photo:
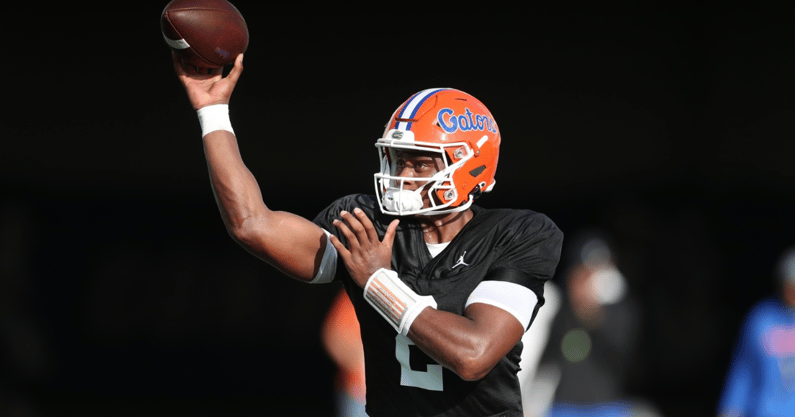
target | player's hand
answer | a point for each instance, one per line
(205, 89)
(365, 253)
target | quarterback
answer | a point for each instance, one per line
(443, 289)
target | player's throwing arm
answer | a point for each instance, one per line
(286, 241)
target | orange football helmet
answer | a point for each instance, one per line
(461, 130)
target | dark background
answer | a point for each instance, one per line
(667, 126)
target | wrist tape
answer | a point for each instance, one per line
(394, 300)
(214, 117)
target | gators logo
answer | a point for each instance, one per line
(451, 122)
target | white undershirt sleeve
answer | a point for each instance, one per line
(518, 300)
(328, 265)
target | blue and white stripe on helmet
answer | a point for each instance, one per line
(414, 103)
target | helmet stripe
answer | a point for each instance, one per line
(409, 111)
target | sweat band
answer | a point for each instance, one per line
(394, 300)
(214, 117)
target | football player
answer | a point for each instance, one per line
(443, 289)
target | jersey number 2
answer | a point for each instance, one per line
(431, 379)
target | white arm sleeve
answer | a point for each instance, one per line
(513, 298)
(328, 265)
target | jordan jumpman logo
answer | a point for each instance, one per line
(460, 261)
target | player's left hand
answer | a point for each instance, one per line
(365, 253)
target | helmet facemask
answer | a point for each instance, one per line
(440, 188)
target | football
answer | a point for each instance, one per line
(204, 33)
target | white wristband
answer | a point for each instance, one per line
(214, 117)
(394, 300)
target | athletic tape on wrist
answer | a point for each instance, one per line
(214, 117)
(394, 300)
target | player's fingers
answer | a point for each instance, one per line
(178, 66)
(237, 69)
(356, 226)
(353, 241)
(342, 251)
(391, 230)
(369, 229)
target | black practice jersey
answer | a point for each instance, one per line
(519, 246)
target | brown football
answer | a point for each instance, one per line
(205, 33)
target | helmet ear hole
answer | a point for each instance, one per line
(477, 171)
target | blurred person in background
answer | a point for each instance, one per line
(341, 339)
(585, 368)
(761, 378)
